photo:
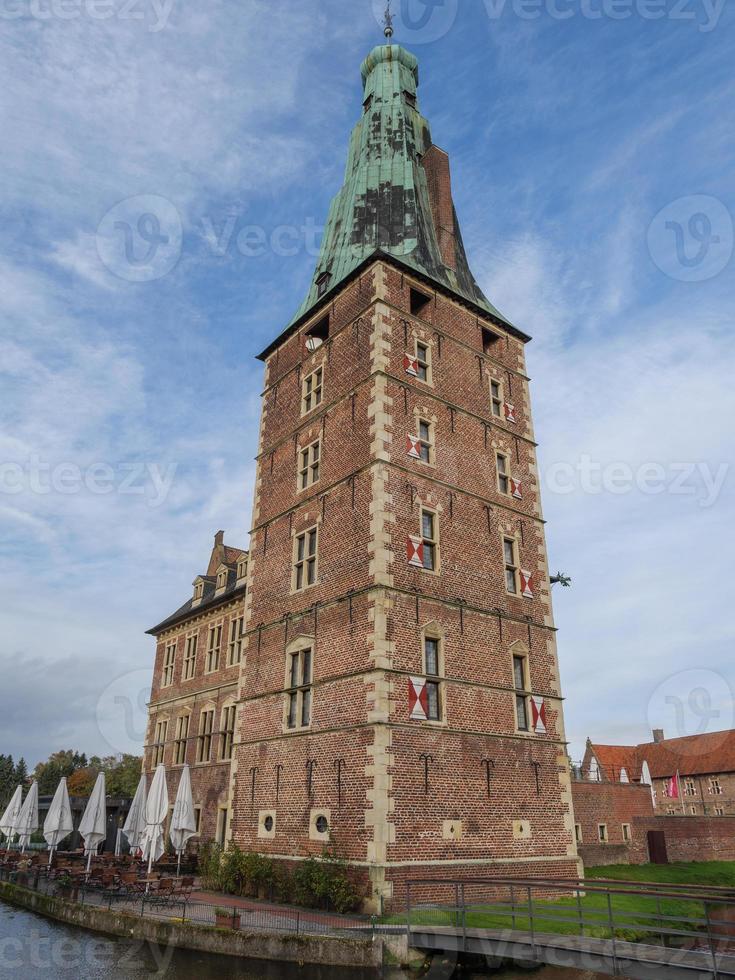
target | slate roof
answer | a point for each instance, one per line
(209, 601)
(384, 204)
(690, 755)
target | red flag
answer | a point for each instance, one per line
(672, 789)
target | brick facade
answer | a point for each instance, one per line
(614, 806)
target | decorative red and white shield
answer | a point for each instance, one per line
(418, 700)
(516, 489)
(510, 412)
(538, 715)
(410, 365)
(526, 584)
(412, 447)
(415, 552)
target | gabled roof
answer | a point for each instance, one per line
(690, 755)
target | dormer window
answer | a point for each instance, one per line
(410, 99)
(322, 283)
(419, 302)
(489, 340)
(316, 335)
(242, 569)
(198, 591)
(221, 579)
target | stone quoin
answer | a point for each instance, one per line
(396, 696)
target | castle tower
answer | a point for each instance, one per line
(399, 695)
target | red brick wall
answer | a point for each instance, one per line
(688, 838)
(613, 804)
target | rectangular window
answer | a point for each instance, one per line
(213, 648)
(169, 663)
(159, 746)
(714, 786)
(501, 465)
(602, 832)
(626, 833)
(431, 668)
(298, 714)
(204, 742)
(223, 816)
(425, 440)
(418, 300)
(496, 398)
(489, 340)
(182, 734)
(198, 819)
(578, 832)
(237, 639)
(227, 732)
(521, 687)
(510, 561)
(304, 569)
(689, 788)
(423, 362)
(309, 461)
(312, 391)
(429, 538)
(719, 812)
(190, 657)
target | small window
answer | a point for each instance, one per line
(322, 283)
(489, 340)
(242, 569)
(169, 663)
(316, 335)
(198, 591)
(602, 833)
(204, 741)
(521, 687)
(719, 812)
(626, 833)
(423, 362)
(223, 817)
(312, 391)
(237, 639)
(182, 734)
(190, 657)
(432, 671)
(715, 789)
(510, 562)
(298, 703)
(410, 99)
(430, 540)
(309, 464)
(198, 819)
(689, 788)
(227, 733)
(268, 823)
(222, 579)
(322, 824)
(419, 302)
(503, 473)
(367, 103)
(159, 745)
(304, 569)
(496, 398)
(578, 832)
(213, 648)
(426, 441)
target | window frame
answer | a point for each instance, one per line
(627, 833)
(602, 835)
(502, 473)
(434, 678)
(430, 544)
(522, 694)
(169, 663)
(189, 666)
(307, 565)
(299, 688)
(214, 648)
(228, 720)
(423, 364)
(205, 735)
(578, 838)
(160, 734)
(181, 739)
(236, 641)
(312, 389)
(513, 566)
(426, 443)
(308, 463)
(496, 398)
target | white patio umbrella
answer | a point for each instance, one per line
(134, 826)
(93, 825)
(28, 822)
(58, 823)
(9, 820)
(183, 819)
(156, 810)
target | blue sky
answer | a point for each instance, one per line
(593, 175)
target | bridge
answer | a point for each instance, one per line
(619, 928)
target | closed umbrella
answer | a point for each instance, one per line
(156, 810)
(28, 818)
(93, 825)
(134, 826)
(9, 820)
(58, 823)
(183, 819)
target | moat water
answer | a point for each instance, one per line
(35, 948)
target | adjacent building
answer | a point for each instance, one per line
(394, 687)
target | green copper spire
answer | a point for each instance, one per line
(396, 197)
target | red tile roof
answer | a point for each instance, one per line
(691, 755)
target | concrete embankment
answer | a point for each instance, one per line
(366, 954)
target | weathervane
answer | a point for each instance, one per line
(388, 22)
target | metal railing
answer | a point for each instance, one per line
(671, 916)
(247, 916)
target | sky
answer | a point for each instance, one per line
(166, 169)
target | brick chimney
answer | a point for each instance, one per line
(658, 735)
(218, 553)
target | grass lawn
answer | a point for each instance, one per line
(635, 916)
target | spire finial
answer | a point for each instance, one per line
(388, 20)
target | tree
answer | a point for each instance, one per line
(21, 772)
(7, 779)
(124, 776)
(81, 782)
(62, 763)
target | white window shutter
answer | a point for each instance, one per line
(418, 701)
(516, 489)
(510, 412)
(410, 365)
(412, 447)
(526, 584)
(415, 552)
(538, 715)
